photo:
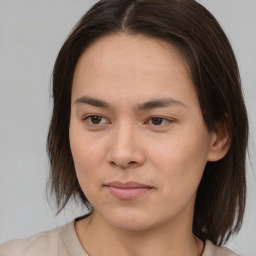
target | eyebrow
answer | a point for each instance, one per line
(151, 104)
(93, 102)
(159, 103)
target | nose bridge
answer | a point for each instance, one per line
(124, 147)
(124, 134)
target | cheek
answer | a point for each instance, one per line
(178, 150)
(181, 159)
(86, 154)
(86, 161)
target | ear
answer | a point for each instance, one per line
(220, 140)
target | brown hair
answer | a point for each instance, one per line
(221, 195)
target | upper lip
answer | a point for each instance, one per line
(130, 184)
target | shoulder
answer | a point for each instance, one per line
(61, 241)
(44, 243)
(213, 250)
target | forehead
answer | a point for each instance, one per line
(131, 50)
(126, 64)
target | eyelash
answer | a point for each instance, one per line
(88, 120)
(161, 119)
(88, 117)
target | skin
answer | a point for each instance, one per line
(163, 146)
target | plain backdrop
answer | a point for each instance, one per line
(31, 34)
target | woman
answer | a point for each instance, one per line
(149, 131)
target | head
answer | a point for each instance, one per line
(189, 33)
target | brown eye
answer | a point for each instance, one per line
(95, 119)
(95, 122)
(157, 120)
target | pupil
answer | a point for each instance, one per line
(96, 119)
(157, 121)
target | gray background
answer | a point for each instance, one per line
(31, 34)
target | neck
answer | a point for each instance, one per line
(99, 238)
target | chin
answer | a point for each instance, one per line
(129, 224)
(129, 220)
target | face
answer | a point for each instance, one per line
(137, 134)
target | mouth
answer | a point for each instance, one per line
(127, 190)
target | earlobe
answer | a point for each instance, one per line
(220, 141)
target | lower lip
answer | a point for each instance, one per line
(128, 193)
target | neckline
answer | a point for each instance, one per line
(75, 248)
(71, 240)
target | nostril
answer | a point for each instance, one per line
(123, 165)
(113, 163)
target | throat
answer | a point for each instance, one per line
(117, 242)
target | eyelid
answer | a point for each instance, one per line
(88, 116)
(167, 120)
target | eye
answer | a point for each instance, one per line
(158, 121)
(95, 120)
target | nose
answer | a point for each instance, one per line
(125, 149)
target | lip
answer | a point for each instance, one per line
(127, 190)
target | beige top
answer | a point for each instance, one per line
(63, 241)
